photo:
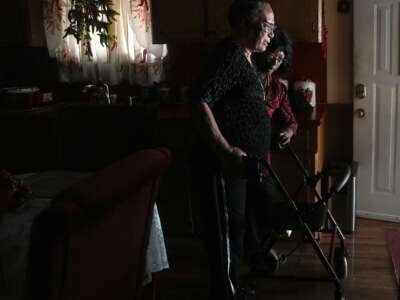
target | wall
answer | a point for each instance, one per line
(340, 54)
(12, 30)
(339, 111)
(36, 29)
(24, 59)
(20, 23)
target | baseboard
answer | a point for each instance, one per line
(377, 216)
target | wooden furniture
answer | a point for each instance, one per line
(22, 23)
(72, 136)
(182, 20)
(207, 20)
(301, 18)
(29, 141)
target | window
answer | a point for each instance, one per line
(131, 58)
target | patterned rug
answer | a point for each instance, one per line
(393, 242)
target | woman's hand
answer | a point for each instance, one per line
(232, 160)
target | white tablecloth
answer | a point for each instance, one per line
(156, 256)
(15, 233)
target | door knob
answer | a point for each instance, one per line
(360, 113)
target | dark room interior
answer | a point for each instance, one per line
(84, 183)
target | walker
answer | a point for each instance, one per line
(308, 218)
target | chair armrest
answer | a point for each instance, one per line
(107, 187)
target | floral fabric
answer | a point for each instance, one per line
(132, 57)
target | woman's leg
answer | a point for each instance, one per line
(223, 225)
(261, 195)
(236, 193)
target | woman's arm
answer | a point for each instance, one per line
(230, 156)
(283, 113)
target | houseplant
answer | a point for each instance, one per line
(88, 17)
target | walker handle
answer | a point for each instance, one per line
(345, 171)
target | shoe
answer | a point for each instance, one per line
(245, 292)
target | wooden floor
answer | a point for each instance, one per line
(370, 271)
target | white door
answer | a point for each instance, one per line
(377, 116)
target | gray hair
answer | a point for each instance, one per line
(247, 13)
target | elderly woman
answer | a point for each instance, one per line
(228, 103)
(274, 66)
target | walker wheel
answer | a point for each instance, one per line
(339, 295)
(265, 262)
(340, 262)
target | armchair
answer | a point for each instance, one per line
(90, 243)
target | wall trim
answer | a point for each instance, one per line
(377, 216)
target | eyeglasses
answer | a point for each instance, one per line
(268, 28)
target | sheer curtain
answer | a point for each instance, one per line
(132, 58)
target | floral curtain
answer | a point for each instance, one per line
(133, 57)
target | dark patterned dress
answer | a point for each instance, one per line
(235, 94)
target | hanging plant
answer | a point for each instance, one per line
(88, 17)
